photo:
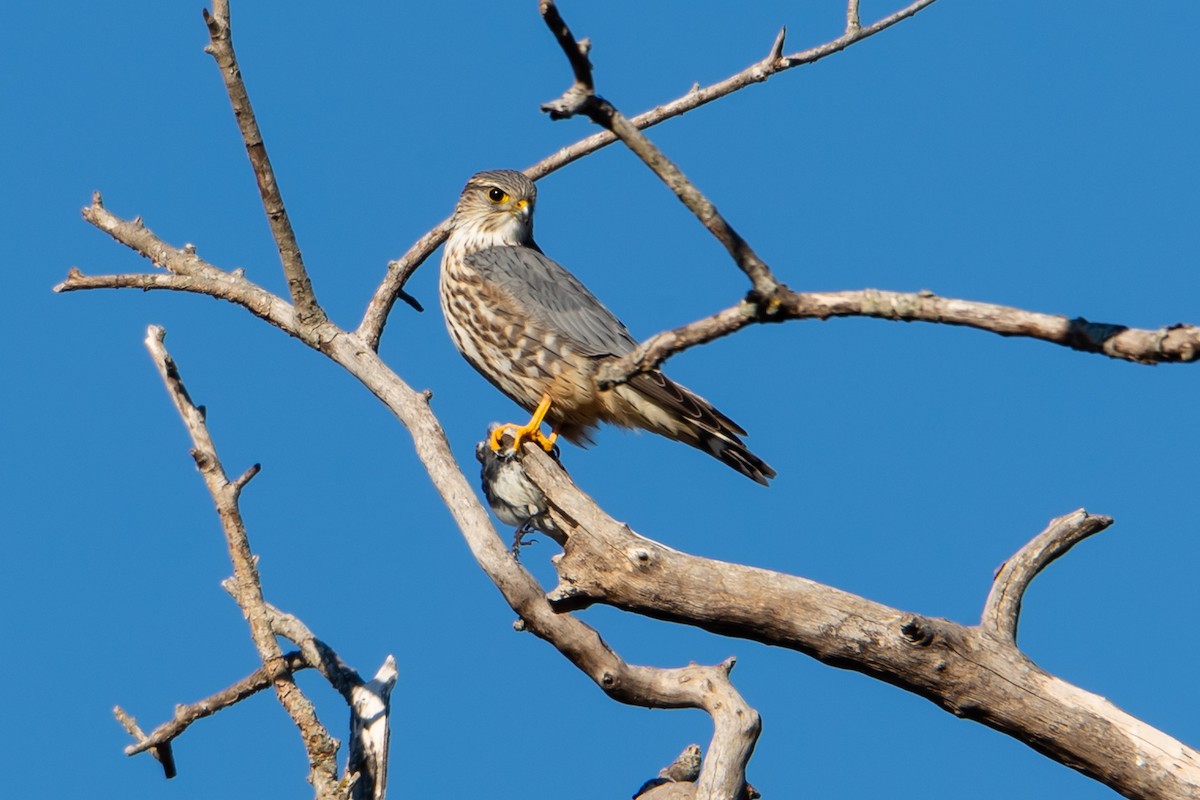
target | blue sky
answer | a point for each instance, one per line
(1020, 153)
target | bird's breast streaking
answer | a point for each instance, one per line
(538, 335)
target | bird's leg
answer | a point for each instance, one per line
(531, 431)
(519, 539)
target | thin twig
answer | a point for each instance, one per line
(221, 48)
(852, 20)
(391, 288)
(1002, 611)
(581, 98)
(341, 676)
(370, 330)
(191, 273)
(186, 714)
(161, 751)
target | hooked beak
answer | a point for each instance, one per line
(522, 210)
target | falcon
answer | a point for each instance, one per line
(537, 334)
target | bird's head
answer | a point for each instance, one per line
(495, 208)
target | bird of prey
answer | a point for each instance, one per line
(538, 335)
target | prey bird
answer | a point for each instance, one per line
(538, 335)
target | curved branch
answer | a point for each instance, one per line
(370, 330)
(369, 701)
(221, 49)
(1002, 610)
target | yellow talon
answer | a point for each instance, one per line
(531, 431)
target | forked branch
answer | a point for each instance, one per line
(771, 301)
(367, 767)
(969, 671)
(187, 713)
(581, 98)
(1002, 611)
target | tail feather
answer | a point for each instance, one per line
(735, 454)
(704, 427)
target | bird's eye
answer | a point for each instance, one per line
(497, 195)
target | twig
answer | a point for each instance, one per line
(852, 20)
(581, 99)
(341, 676)
(188, 713)
(161, 752)
(221, 48)
(1001, 612)
(370, 330)
(320, 746)
(191, 273)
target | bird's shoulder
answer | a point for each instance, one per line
(546, 291)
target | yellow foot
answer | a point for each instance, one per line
(532, 431)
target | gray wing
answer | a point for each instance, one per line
(554, 298)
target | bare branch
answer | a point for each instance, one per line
(161, 752)
(300, 287)
(188, 713)
(399, 271)
(342, 677)
(576, 51)
(320, 746)
(852, 20)
(370, 330)
(581, 99)
(369, 701)
(965, 670)
(1002, 610)
(191, 272)
(1177, 343)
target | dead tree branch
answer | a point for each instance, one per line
(247, 588)
(1172, 344)
(162, 751)
(973, 672)
(581, 98)
(221, 49)
(771, 301)
(186, 714)
(1002, 611)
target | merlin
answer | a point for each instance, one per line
(538, 335)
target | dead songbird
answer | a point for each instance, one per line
(513, 498)
(533, 330)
